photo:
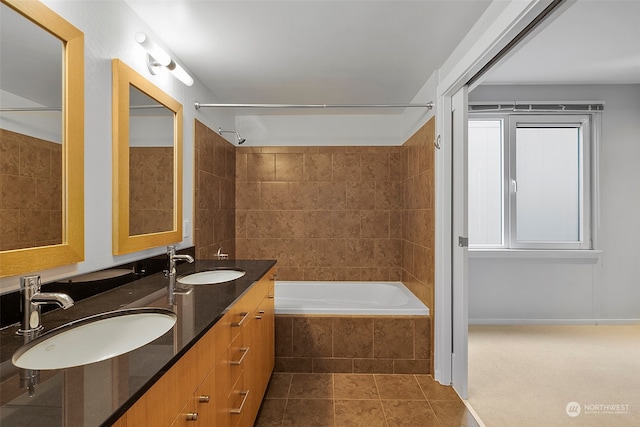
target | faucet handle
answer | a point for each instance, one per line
(30, 282)
(220, 255)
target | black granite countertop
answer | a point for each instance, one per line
(99, 393)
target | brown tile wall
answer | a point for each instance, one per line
(332, 213)
(150, 190)
(215, 188)
(30, 191)
(418, 231)
(353, 344)
(325, 213)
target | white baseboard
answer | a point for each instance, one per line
(554, 321)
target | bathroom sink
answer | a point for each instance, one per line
(211, 277)
(95, 338)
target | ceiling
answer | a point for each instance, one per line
(359, 52)
(356, 51)
(592, 42)
(311, 52)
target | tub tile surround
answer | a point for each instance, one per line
(353, 344)
(214, 198)
(353, 400)
(326, 213)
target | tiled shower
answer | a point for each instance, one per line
(325, 213)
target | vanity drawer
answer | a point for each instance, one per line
(239, 352)
(237, 402)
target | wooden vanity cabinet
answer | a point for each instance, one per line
(222, 379)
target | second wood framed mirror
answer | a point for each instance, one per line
(147, 163)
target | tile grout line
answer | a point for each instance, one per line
(333, 391)
(384, 413)
(286, 402)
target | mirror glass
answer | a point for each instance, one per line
(150, 165)
(31, 133)
(147, 168)
(41, 139)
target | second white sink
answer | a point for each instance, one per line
(211, 277)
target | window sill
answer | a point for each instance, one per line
(591, 256)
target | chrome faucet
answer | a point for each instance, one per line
(171, 274)
(221, 255)
(32, 299)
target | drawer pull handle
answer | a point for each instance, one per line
(259, 317)
(274, 277)
(260, 313)
(244, 316)
(204, 398)
(244, 400)
(192, 416)
(244, 351)
(270, 296)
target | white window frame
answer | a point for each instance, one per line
(510, 122)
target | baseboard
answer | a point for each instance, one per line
(474, 414)
(554, 321)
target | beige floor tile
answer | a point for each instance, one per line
(452, 413)
(398, 387)
(359, 413)
(409, 413)
(311, 386)
(271, 413)
(354, 386)
(308, 413)
(433, 390)
(278, 387)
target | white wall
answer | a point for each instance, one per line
(109, 28)
(508, 290)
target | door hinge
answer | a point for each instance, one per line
(463, 242)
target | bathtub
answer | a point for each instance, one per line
(350, 327)
(347, 298)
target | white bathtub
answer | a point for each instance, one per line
(347, 298)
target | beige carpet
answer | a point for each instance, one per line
(537, 375)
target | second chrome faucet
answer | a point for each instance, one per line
(171, 273)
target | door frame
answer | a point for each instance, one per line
(496, 34)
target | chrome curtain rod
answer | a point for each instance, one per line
(535, 108)
(428, 105)
(27, 109)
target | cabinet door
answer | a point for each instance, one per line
(268, 344)
(238, 403)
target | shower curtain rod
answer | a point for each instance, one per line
(26, 109)
(428, 105)
(35, 109)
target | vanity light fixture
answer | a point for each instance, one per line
(157, 57)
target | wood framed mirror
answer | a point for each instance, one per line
(41, 139)
(147, 163)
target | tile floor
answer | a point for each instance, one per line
(368, 400)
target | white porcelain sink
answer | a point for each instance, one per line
(95, 338)
(211, 277)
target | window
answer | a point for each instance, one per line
(529, 181)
